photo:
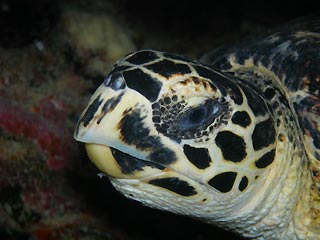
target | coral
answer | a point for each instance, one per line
(42, 89)
(53, 139)
(97, 38)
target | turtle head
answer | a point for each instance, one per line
(179, 136)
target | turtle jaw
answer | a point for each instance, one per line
(105, 161)
(102, 157)
(115, 128)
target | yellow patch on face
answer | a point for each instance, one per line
(102, 157)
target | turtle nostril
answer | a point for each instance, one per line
(115, 81)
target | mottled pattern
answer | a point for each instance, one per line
(285, 66)
(292, 56)
(223, 182)
(129, 164)
(175, 185)
(231, 144)
(198, 156)
(241, 118)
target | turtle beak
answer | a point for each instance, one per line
(99, 126)
(100, 121)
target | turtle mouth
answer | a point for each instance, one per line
(118, 164)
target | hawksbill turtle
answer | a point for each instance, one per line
(232, 139)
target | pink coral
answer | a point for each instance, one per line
(53, 139)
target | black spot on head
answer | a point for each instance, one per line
(129, 164)
(197, 156)
(143, 83)
(223, 182)
(142, 57)
(264, 134)
(265, 160)
(134, 133)
(255, 102)
(109, 105)
(232, 146)
(175, 185)
(243, 183)
(163, 156)
(92, 109)
(167, 68)
(241, 118)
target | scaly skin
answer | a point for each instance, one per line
(182, 137)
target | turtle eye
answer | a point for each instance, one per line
(197, 115)
(201, 115)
